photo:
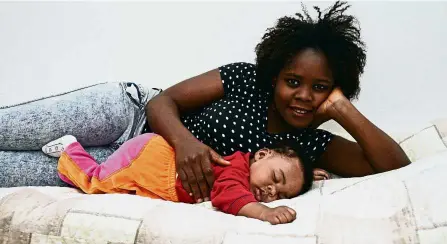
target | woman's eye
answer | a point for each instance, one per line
(293, 82)
(320, 87)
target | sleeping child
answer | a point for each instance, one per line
(145, 166)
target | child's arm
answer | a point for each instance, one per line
(278, 215)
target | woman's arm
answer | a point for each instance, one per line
(164, 111)
(374, 152)
(193, 159)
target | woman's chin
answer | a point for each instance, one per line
(300, 123)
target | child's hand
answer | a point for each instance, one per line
(320, 174)
(278, 215)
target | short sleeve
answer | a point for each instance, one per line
(236, 76)
(314, 142)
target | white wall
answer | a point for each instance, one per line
(51, 47)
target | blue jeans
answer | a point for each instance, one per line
(101, 117)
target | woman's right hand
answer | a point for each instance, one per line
(193, 163)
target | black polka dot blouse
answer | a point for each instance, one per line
(238, 121)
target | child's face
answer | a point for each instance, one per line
(274, 177)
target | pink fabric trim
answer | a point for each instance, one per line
(121, 158)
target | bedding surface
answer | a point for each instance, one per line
(402, 206)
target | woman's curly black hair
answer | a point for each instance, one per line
(333, 33)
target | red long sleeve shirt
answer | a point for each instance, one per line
(231, 190)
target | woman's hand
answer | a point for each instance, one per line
(327, 109)
(373, 150)
(193, 164)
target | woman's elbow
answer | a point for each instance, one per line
(156, 103)
(405, 161)
(396, 163)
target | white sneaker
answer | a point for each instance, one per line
(56, 147)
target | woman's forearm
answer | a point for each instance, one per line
(163, 112)
(380, 150)
(164, 119)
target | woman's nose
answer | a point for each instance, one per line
(304, 93)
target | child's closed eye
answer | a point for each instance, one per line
(275, 178)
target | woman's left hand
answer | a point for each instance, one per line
(327, 109)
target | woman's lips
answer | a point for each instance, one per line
(300, 112)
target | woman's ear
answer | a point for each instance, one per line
(262, 153)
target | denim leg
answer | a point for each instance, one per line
(101, 117)
(139, 96)
(34, 168)
(97, 115)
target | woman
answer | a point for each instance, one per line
(306, 72)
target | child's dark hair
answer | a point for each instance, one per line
(293, 150)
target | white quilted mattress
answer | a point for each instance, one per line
(402, 206)
(408, 205)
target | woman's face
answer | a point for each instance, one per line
(302, 87)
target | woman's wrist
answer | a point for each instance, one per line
(184, 138)
(341, 110)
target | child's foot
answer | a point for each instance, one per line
(56, 147)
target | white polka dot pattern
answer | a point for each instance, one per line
(238, 121)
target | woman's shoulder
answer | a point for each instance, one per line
(238, 77)
(238, 67)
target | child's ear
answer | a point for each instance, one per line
(262, 153)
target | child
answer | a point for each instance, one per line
(145, 165)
